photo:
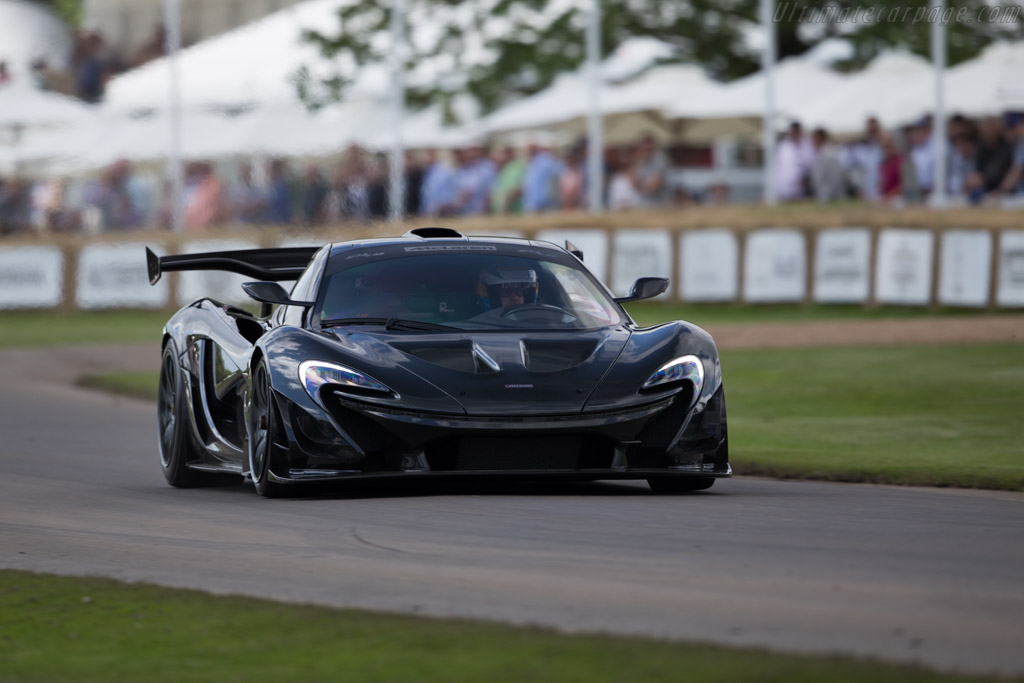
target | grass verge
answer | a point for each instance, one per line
(927, 415)
(50, 328)
(88, 629)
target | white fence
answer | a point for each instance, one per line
(900, 266)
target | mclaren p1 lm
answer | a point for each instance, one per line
(433, 355)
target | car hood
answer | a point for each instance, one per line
(497, 373)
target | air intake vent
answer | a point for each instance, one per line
(435, 233)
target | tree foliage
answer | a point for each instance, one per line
(499, 49)
(68, 10)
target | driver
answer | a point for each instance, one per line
(504, 287)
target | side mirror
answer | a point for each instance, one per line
(272, 293)
(645, 288)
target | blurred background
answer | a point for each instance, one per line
(758, 151)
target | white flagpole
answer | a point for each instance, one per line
(595, 133)
(397, 156)
(175, 163)
(768, 121)
(939, 139)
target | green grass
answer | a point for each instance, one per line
(87, 629)
(651, 313)
(134, 384)
(927, 415)
(49, 328)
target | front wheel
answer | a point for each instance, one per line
(263, 429)
(680, 484)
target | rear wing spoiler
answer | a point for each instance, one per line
(285, 263)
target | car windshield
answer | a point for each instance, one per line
(469, 292)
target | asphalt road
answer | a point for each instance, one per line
(896, 573)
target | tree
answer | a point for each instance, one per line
(68, 10)
(500, 49)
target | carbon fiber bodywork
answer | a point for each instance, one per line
(565, 403)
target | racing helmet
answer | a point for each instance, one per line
(507, 287)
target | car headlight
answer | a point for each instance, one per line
(683, 369)
(315, 374)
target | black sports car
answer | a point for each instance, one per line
(433, 354)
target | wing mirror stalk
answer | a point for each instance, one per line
(268, 293)
(645, 288)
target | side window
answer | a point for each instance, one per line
(304, 289)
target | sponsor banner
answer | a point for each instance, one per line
(775, 266)
(215, 284)
(1010, 289)
(842, 266)
(593, 244)
(903, 269)
(965, 268)
(640, 253)
(31, 277)
(709, 265)
(115, 276)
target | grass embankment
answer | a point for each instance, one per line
(926, 415)
(87, 629)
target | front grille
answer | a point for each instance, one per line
(519, 453)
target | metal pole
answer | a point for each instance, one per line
(595, 132)
(939, 140)
(768, 122)
(396, 158)
(175, 164)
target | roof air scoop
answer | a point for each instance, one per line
(435, 233)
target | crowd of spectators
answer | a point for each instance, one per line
(986, 165)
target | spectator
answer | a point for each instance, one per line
(962, 160)
(540, 180)
(438, 191)
(314, 196)
(15, 207)
(864, 162)
(377, 188)
(474, 182)
(5, 75)
(794, 157)
(572, 184)
(827, 171)
(994, 158)
(88, 66)
(1012, 181)
(205, 206)
(413, 184)
(648, 173)
(622, 192)
(507, 195)
(890, 175)
(921, 165)
(279, 203)
(248, 201)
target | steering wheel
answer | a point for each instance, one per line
(538, 308)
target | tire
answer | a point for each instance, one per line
(262, 428)
(680, 484)
(175, 443)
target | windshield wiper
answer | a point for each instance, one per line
(388, 323)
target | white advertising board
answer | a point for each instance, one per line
(965, 268)
(1010, 289)
(640, 253)
(215, 284)
(115, 276)
(709, 265)
(31, 277)
(903, 269)
(593, 244)
(775, 266)
(842, 266)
